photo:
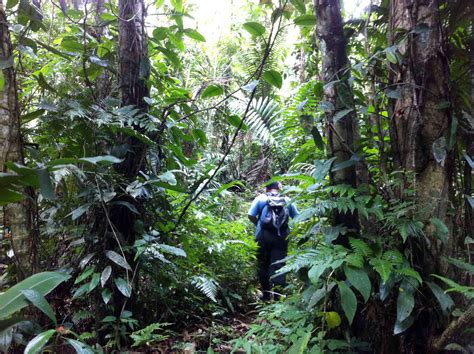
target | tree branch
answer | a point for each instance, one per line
(454, 330)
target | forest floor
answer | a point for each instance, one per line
(209, 336)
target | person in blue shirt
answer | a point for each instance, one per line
(272, 245)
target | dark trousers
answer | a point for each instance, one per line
(271, 248)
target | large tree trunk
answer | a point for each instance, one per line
(341, 135)
(16, 216)
(420, 124)
(419, 133)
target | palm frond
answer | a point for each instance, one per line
(263, 118)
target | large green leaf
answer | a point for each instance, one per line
(123, 286)
(13, 299)
(360, 280)
(37, 343)
(118, 259)
(445, 301)
(79, 347)
(46, 186)
(191, 33)
(348, 301)
(318, 139)
(405, 301)
(316, 271)
(254, 28)
(9, 196)
(212, 91)
(299, 5)
(305, 20)
(105, 275)
(40, 302)
(273, 77)
(341, 114)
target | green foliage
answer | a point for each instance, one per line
(214, 129)
(41, 284)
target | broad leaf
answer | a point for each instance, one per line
(37, 343)
(273, 78)
(40, 302)
(191, 33)
(305, 20)
(316, 271)
(348, 301)
(105, 275)
(212, 91)
(299, 5)
(318, 139)
(94, 282)
(123, 286)
(405, 301)
(445, 301)
(106, 295)
(341, 114)
(13, 299)
(45, 183)
(254, 28)
(79, 347)
(401, 327)
(118, 259)
(360, 280)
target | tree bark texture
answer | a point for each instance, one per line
(341, 135)
(134, 69)
(421, 122)
(420, 126)
(468, 139)
(133, 74)
(16, 216)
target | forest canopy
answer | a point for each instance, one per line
(134, 135)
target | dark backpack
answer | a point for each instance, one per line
(276, 215)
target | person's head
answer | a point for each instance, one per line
(273, 186)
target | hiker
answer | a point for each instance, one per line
(270, 212)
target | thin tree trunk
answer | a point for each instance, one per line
(16, 216)
(341, 135)
(133, 73)
(469, 214)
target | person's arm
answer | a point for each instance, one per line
(254, 211)
(293, 210)
(253, 219)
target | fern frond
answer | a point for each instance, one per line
(206, 285)
(360, 247)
